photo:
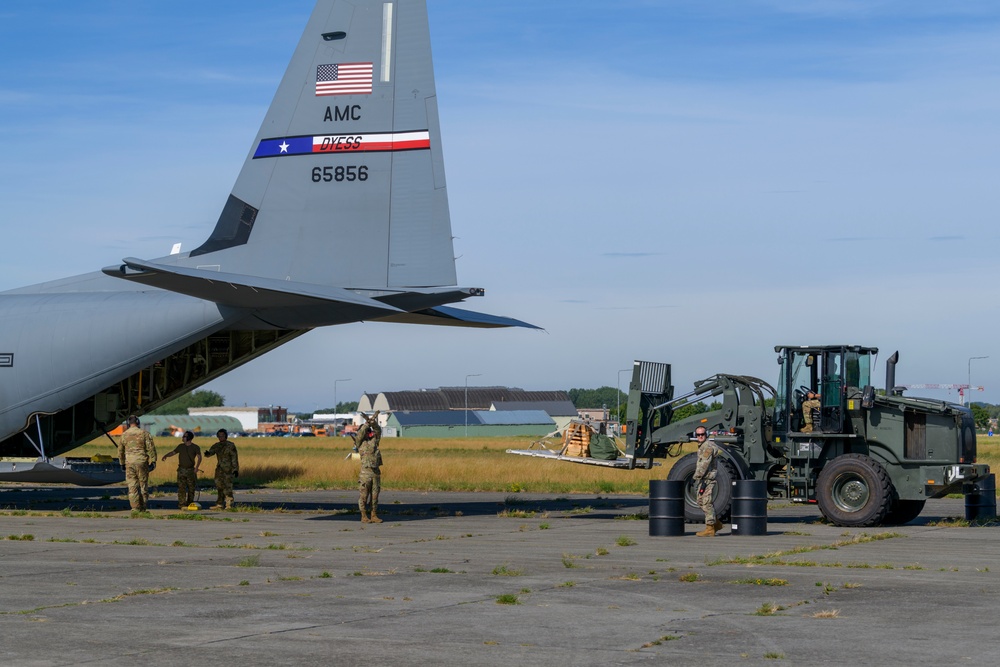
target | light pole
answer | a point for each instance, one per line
(970, 374)
(618, 414)
(335, 403)
(471, 375)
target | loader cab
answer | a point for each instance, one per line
(835, 372)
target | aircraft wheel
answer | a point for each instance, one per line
(722, 499)
(854, 490)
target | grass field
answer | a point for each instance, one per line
(418, 464)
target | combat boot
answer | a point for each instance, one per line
(718, 525)
(375, 518)
(708, 532)
(364, 517)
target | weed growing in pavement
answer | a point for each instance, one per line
(760, 582)
(657, 642)
(768, 609)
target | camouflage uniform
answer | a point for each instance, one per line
(370, 479)
(137, 454)
(187, 477)
(704, 475)
(808, 406)
(227, 467)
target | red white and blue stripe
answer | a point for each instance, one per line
(332, 144)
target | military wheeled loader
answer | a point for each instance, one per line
(866, 458)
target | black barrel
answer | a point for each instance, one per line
(749, 515)
(981, 502)
(666, 508)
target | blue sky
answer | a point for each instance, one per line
(682, 181)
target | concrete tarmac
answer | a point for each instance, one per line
(294, 578)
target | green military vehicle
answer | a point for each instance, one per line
(866, 458)
(869, 459)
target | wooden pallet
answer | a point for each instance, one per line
(576, 440)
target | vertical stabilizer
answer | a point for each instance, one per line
(344, 184)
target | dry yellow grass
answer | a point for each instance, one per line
(988, 450)
(424, 464)
(454, 464)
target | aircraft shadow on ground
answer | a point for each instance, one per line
(574, 508)
(342, 505)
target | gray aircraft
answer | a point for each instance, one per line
(339, 214)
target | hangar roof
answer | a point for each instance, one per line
(512, 417)
(475, 417)
(552, 408)
(454, 398)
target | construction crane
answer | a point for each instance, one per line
(962, 388)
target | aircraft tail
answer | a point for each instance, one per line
(340, 212)
(344, 184)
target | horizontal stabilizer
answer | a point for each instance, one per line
(241, 291)
(456, 317)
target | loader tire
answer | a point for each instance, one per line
(854, 490)
(722, 499)
(903, 511)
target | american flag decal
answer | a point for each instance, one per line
(344, 79)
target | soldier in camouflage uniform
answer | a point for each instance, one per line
(188, 460)
(226, 468)
(704, 476)
(810, 408)
(370, 480)
(137, 454)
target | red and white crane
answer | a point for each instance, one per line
(962, 388)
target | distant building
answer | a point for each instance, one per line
(250, 418)
(594, 414)
(478, 423)
(342, 423)
(455, 398)
(561, 412)
(201, 425)
(331, 417)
